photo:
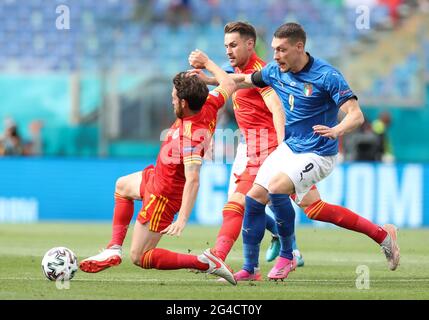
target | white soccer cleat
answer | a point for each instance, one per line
(390, 247)
(105, 259)
(217, 266)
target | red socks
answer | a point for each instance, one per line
(122, 215)
(162, 259)
(230, 230)
(345, 218)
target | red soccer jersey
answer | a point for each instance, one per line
(252, 115)
(185, 143)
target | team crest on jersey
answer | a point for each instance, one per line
(291, 102)
(308, 89)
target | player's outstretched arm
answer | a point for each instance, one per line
(353, 119)
(273, 103)
(190, 191)
(242, 81)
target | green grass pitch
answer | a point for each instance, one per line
(331, 259)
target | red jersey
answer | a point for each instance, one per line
(185, 143)
(253, 117)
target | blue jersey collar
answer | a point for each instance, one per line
(308, 65)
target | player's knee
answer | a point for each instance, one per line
(310, 207)
(281, 184)
(310, 199)
(304, 204)
(136, 257)
(121, 185)
(259, 194)
(275, 187)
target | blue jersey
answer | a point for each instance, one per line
(228, 68)
(310, 97)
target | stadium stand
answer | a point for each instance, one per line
(124, 46)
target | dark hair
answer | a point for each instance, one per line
(192, 89)
(292, 31)
(243, 28)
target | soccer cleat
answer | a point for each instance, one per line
(274, 249)
(217, 266)
(299, 258)
(105, 259)
(390, 247)
(244, 275)
(282, 268)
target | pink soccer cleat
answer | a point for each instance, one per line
(282, 268)
(244, 275)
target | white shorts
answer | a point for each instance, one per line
(239, 165)
(304, 169)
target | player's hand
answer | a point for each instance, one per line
(174, 229)
(199, 73)
(326, 132)
(198, 59)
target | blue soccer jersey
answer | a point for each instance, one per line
(310, 97)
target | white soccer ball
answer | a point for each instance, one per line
(59, 263)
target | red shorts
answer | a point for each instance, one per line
(157, 209)
(245, 180)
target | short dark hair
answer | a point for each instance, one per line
(192, 89)
(292, 31)
(243, 28)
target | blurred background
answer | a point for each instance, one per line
(85, 91)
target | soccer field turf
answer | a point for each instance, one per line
(331, 258)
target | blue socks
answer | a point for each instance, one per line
(271, 225)
(285, 218)
(294, 245)
(253, 232)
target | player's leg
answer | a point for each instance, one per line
(240, 182)
(274, 247)
(147, 234)
(255, 216)
(273, 250)
(385, 236)
(127, 189)
(253, 232)
(232, 221)
(280, 187)
(233, 210)
(297, 174)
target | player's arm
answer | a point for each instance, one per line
(242, 81)
(339, 91)
(354, 118)
(274, 104)
(190, 191)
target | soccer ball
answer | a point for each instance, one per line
(59, 263)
